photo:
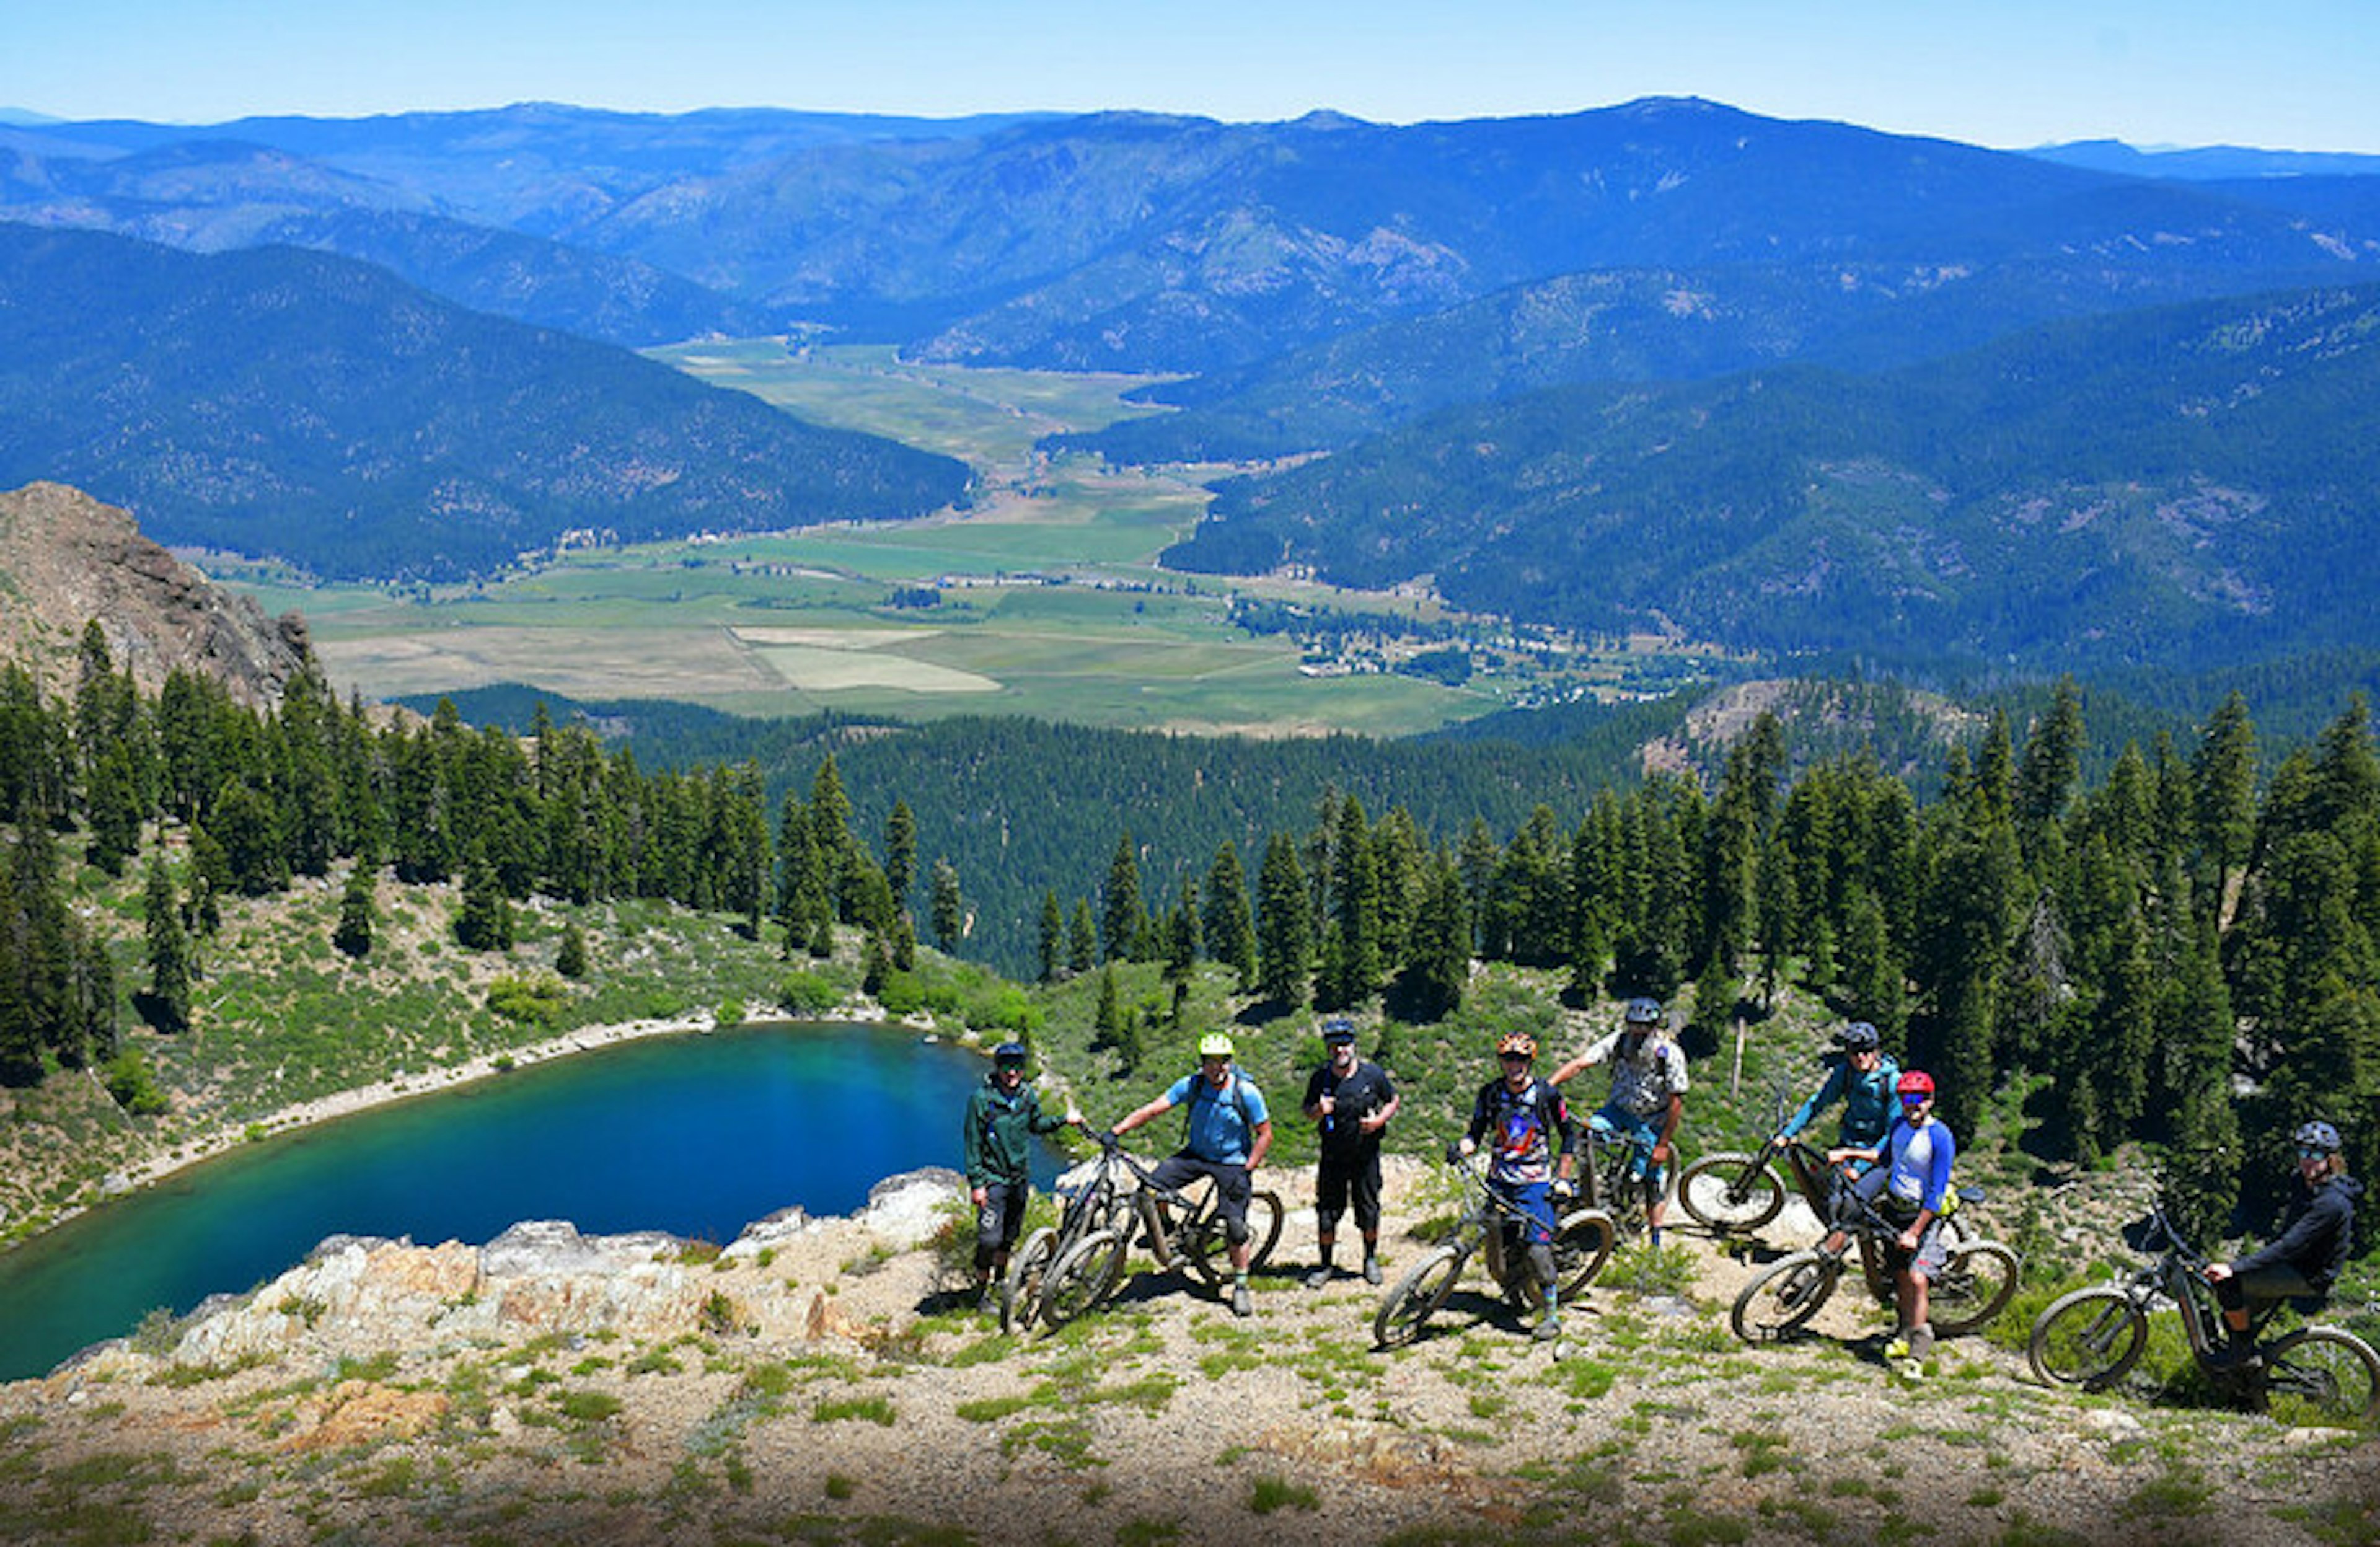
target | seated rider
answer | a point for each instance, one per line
(1911, 1190)
(1862, 1076)
(1648, 1092)
(1529, 1124)
(1225, 1139)
(2306, 1258)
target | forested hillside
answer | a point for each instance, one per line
(2180, 487)
(2179, 952)
(315, 409)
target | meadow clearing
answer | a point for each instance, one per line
(1044, 598)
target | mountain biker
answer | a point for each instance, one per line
(1003, 1114)
(1909, 1190)
(1648, 1096)
(1529, 1121)
(1351, 1099)
(2305, 1259)
(1862, 1076)
(1224, 1141)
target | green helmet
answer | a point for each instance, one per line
(1215, 1044)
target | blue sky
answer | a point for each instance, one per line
(2294, 74)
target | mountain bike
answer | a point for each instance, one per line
(1179, 1230)
(2091, 1338)
(1096, 1199)
(1606, 1183)
(1492, 1226)
(1729, 1191)
(1977, 1280)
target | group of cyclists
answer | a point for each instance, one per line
(1892, 1149)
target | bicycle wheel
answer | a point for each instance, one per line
(1975, 1286)
(1774, 1306)
(1724, 1192)
(2321, 1377)
(1081, 1278)
(1205, 1245)
(1020, 1292)
(1415, 1297)
(2088, 1338)
(1582, 1246)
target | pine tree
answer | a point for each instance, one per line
(169, 952)
(948, 908)
(1285, 927)
(1105, 1015)
(1082, 938)
(570, 961)
(485, 922)
(1437, 966)
(1351, 948)
(1121, 915)
(1051, 946)
(1231, 929)
(2053, 759)
(901, 852)
(357, 915)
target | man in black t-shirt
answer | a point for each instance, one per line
(1352, 1100)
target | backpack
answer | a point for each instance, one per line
(1201, 1091)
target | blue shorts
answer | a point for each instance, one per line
(1535, 1200)
(1641, 1132)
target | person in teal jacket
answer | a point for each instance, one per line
(1862, 1077)
(1002, 1116)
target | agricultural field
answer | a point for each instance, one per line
(1043, 598)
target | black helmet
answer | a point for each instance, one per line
(1858, 1036)
(1009, 1053)
(1643, 1012)
(2316, 1134)
(1337, 1029)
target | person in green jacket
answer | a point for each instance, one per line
(1002, 1115)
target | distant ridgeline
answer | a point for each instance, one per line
(2185, 488)
(2142, 939)
(312, 409)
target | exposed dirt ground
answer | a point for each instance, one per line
(869, 1407)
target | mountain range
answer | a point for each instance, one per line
(2182, 486)
(307, 406)
(1790, 385)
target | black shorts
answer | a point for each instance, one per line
(1002, 1218)
(1233, 1185)
(1341, 1176)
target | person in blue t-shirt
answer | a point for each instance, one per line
(1225, 1140)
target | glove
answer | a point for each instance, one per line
(1563, 1189)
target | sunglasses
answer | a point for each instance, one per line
(1915, 1098)
(2313, 1155)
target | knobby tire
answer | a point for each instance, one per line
(1975, 1286)
(1776, 1305)
(2088, 1338)
(1415, 1297)
(1081, 1278)
(1721, 1192)
(2322, 1376)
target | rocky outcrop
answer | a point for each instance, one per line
(67, 559)
(356, 1295)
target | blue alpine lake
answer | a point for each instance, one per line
(696, 1134)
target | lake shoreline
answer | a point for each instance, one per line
(224, 1138)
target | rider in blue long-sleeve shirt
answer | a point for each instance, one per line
(1862, 1077)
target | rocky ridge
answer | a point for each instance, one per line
(66, 558)
(821, 1381)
